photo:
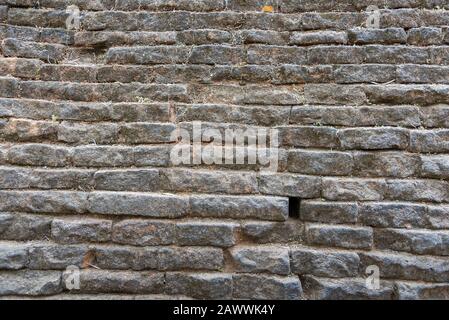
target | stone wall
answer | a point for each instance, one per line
(87, 179)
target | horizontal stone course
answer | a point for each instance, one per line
(407, 267)
(200, 285)
(386, 164)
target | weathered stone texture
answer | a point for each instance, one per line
(353, 174)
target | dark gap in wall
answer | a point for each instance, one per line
(293, 207)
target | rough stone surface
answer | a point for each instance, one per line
(151, 205)
(339, 236)
(266, 287)
(13, 256)
(264, 208)
(184, 258)
(95, 281)
(324, 263)
(200, 286)
(273, 232)
(419, 291)
(198, 233)
(32, 283)
(290, 185)
(143, 232)
(331, 212)
(345, 289)
(400, 215)
(127, 149)
(407, 267)
(419, 242)
(73, 231)
(15, 226)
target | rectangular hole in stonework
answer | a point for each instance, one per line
(293, 207)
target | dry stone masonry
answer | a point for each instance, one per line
(90, 96)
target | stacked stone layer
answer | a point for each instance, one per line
(86, 177)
